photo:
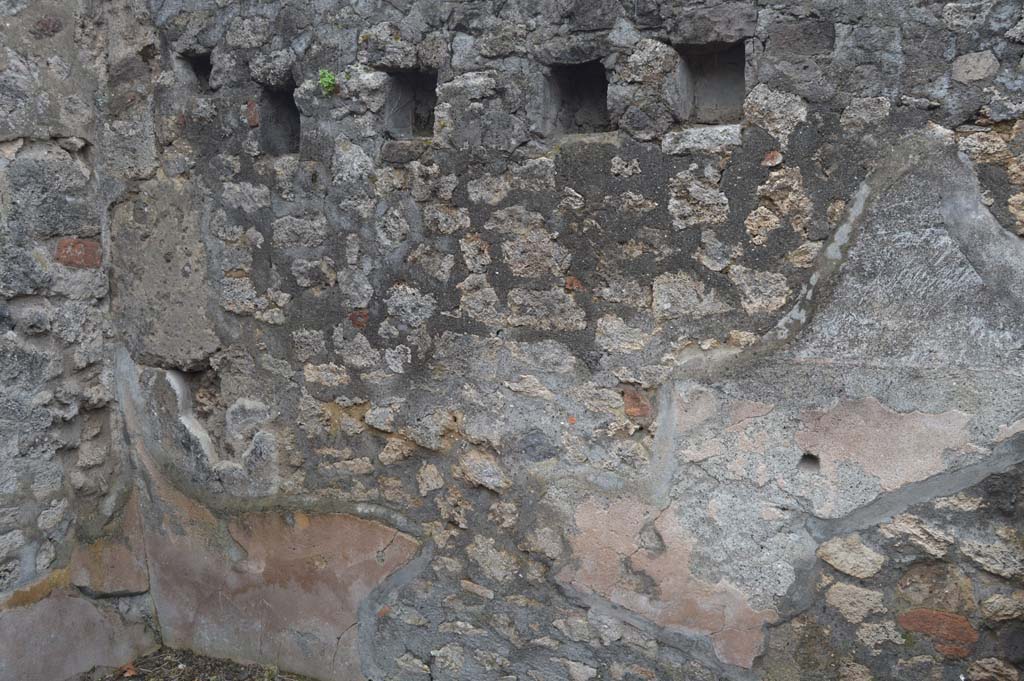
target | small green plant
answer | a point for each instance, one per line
(328, 82)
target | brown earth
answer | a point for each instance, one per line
(167, 664)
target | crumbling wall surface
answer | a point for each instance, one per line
(516, 339)
(72, 575)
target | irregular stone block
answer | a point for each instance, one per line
(975, 66)
(941, 586)
(160, 284)
(991, 669)
(850, 555)
(778, 113)
(713, 139)
(483, 470)
(1001, 607)
(853, 602)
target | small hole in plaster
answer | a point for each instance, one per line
(809, 463)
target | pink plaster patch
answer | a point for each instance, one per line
(896, 448)
(608, 540)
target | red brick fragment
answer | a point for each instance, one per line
(81, 253)
(944, 627)
(252, 114)
(637, 404)
(359, 318)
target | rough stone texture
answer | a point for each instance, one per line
(159, 276)
(708, 368)
(849, 555)
(975, 66)
(1003, 607)
(62, 482)
(853, 602)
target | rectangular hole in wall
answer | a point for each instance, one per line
(201, 66)
(409, 108)
(579, 98)
(717, 81)
(280, 122)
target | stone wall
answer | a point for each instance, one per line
(514, 339)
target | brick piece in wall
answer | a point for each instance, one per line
(81, 253)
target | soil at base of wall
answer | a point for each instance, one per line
(167, 664)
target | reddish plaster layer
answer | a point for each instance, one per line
(607, 556)
(267, 588)
(896, 448)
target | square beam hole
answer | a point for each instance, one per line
(579, 98)
(201, 65)
(280, 122)
(409, 108)
(716, 73)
